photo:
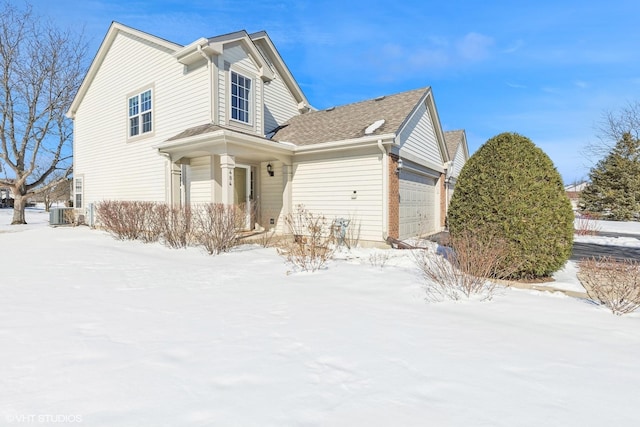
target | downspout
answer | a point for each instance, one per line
(168, 176)
(385, 191)
(209, 68)
(448, 170)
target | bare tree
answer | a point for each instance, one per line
(60, 192)
(41, 69)
(612, 127)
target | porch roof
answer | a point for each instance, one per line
(211, 139)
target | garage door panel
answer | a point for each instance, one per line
(417, 204)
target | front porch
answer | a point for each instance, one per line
(212, 164)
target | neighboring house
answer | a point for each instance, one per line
(223, 120)
(6, 197)
(458, 151)
(574, 191)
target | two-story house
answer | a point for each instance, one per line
(223, 120)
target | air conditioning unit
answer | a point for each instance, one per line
(57, 216)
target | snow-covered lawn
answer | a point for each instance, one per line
(100, 332)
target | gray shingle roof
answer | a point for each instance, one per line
(350, 121)
(453, 139)
(207, 128)
(196, 130)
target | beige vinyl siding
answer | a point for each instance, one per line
(420, 138)
(271, 188)
(113, 166)
(221, 91)
(325, 185)
(200, 181)
(279, 105)
(240, 62)
(458, 161)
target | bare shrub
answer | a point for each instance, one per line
(311, 246)
(151, 227)
(216, 226)
(174, 224)
(465, 267)
(129, 220)
(110, 215)
(70, 217)
(268, 238)
(613, 283)
(587, 225)
(379, 258)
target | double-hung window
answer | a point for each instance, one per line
(78, 191)
(140, 113)
(240, 97)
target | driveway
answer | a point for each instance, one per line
(588, 250)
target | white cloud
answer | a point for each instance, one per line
(515, 46)
(474, 46)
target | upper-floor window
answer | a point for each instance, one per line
(240, 97)
(140, 113)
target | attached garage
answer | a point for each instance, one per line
(418, 210)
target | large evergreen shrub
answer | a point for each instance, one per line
(509, 189)
(614, 190)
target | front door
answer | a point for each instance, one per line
(243, 192)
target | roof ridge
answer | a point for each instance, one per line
(375, 99)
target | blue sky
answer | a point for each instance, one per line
(546, 69)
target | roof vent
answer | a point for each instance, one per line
(373, 127)
(330, 109)
(380, 98)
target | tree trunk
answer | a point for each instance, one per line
(19, 204)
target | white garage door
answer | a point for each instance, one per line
(417, 204)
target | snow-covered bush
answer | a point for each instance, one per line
(613, 283)
(510, 188)
(464, 268)
(312, 243)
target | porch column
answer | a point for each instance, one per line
(287, 174)
(175, 181)
(227, 165)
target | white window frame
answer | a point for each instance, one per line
(78, 192)
(235, 112)
(140, 111)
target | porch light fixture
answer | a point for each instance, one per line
(399, 167)
(270, 169)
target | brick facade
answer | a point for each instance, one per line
(443, 199)
(394, 197)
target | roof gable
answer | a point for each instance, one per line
(263, 41)
(351, 121)
(114, 30)
(194, 52)
(454, 139)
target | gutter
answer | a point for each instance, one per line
(373, 140)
